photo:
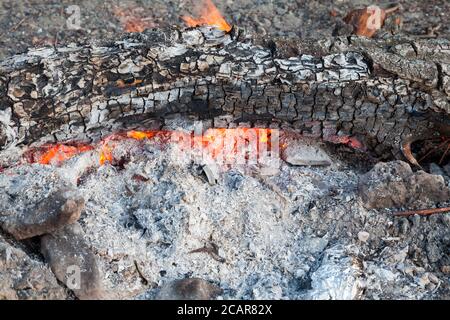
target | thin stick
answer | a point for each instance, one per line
(14, 27)
(17, 25)
(445, 153)
(424, 212)
(392, 9)
(432, 150)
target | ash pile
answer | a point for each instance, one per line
(157, 223)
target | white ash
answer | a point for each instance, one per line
(293, 235)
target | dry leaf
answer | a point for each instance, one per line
(366, 22)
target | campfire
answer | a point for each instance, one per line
(205, 161)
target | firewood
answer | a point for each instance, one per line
(379, 91)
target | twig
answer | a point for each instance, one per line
(212, 249)
(143, 279)
(14, 27)
(392, 9)
(424, 212)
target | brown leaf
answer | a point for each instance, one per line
(366, 22)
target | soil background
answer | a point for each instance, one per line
(25, 23)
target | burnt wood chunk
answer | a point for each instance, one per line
(380, 91)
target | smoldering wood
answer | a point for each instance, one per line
(380, 91)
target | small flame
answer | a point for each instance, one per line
(210, 16)
(141, 135)
(105, 154)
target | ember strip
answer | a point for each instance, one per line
(216, 143)
(424, 212)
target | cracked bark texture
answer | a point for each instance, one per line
(379, 91)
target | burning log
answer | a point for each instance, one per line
(374, 93)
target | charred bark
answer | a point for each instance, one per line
(380, 91)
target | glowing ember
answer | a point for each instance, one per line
(230, 144)
(105, 154)
(352, 142)
(227, 146)
(59, 153)
(219, 144)
(141, 135)
(210, 16)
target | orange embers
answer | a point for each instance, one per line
(105, 154)
(56, 154)
(223, 145)
(108, 145)
(350, 141)
(210, 16)
(235, 145)
(132, 18)
(141, 135)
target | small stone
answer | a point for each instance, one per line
(363, 236)
(212, 173)
(303, 152)
(445, 269)
(189, 289)
(73, 263)
(428, 187)
(383, 186)
(423, 281)
(61, 208)
(393, 184)
(23, 277)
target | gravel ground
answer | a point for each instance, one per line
(28, 23)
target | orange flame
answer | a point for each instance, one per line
(105, 155)
(210, 16)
